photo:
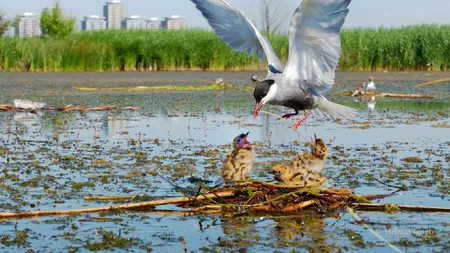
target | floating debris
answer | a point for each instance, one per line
(69, 108)
(382, 94)
(433, 82)
(441, 125)
(215, 86)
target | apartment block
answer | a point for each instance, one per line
(115, 13)
(29, 25)
(134, 22)
(154, 24)
(93, 23)
(174, 22)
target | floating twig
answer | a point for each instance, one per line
(401, 188)
(406, 208)
(433, 82)
(69, 108)
(227, 193)
(357, 218)
(298, 206)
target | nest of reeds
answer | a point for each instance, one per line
(267, 197)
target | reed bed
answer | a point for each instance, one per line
(406, 48)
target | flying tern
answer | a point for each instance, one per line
(314, 50)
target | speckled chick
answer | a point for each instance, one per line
(304, 170)
(301, 178)
(238, 164)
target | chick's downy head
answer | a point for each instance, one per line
(241, 142)
(319, 148)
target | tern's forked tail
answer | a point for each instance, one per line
(336, 110)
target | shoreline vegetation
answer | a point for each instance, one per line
(412, 48)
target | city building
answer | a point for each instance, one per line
(29, 25)
(174, 22)
(115, 12)
(93, 22)
(134, 22)
(154, 24)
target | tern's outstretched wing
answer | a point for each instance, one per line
(315, 44)
(237, 31)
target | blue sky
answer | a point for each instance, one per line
(363, 13)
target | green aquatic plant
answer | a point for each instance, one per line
(110, 241)
(20, 239)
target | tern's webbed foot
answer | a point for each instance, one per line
(299, 122)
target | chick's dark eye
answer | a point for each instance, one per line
(239, 140)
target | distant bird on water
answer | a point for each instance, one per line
(370, 85)
(304, 170)
(314, 50)
(238, 164)
(27, 104)
(218, 80)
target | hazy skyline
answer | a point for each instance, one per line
(363, 13)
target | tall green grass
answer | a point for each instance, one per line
(408, 48)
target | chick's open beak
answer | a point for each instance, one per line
(245, 143)
(313, 140)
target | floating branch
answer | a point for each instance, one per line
(118, 207)
(384, 207)
(433, 82)
(69, 108)
(220, 86)
(393, 95)
(357, 218)
(388, 95)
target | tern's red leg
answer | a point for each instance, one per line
(297, 124)
(288, 115)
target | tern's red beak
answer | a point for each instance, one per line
(257, 109)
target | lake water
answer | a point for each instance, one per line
(53, 160)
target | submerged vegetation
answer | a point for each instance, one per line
(407, 48)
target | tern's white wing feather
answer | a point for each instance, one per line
(236, 30)
(314, 43)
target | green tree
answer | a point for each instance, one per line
(54, 23)
(4, 24)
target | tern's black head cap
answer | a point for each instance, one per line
(262, 89)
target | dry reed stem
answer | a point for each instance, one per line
(228, 193)
(106, 198)
(381, 207)
(298, 206)
(393, 95)
(376, 196)
(396, 95)
(69, 108)
(433, 82)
